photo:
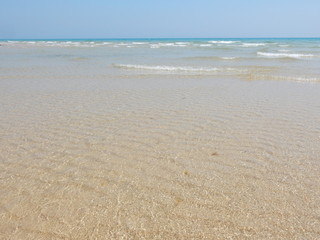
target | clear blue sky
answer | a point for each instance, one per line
(161, 18)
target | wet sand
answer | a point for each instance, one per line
(161, 158)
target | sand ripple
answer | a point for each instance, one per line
(190, 162)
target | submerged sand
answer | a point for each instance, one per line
(161, 159)
(160, 141)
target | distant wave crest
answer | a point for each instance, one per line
(253, 44)
(305, 79)
(285, 55)
(223, 42)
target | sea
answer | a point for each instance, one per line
(247, 59)
(160, 139)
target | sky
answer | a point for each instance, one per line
(49, 19)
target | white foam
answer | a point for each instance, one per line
(166, 44)
(223, 42)
(285, 55)
(228, 58)
(180, 68)
(283, 50)
(158, 45)
(289, 78)
(302, 79)
(181, 43)
(205, 45)
(138, 43)
(253, 44)
(154, 46)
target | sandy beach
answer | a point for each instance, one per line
(90, 150)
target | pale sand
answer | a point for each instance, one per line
(160, 159)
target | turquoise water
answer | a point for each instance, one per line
(282, 59)
(165, 39)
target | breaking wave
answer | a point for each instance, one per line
(180, 68)
(285, 55)
(283, 78)
(223, 42)
(253, 44)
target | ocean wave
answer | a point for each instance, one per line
(283, 78)
(208, 58)
(154, 46)
(180, 68)
(160, 45)
(205, 45)
(253, 44)
(223, 42)
(283, 50)
(122, 44)
(229, 58)
(182, 43)
(166, 44)
(139, 43)
(65, 44)
(285, 55)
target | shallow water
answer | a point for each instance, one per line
(250, 59)
(146, 142)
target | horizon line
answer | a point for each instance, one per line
(152, 38)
